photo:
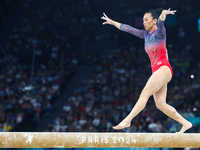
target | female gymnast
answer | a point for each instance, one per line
(155, 46)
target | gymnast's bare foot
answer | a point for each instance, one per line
(185, 127)
(122, 125)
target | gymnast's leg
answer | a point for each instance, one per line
(160, 100)
(157, 80)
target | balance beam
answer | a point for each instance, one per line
(86, 139)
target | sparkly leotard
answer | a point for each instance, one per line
(155, 44)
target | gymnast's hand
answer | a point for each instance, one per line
(165, 13)
(108, 20)
(169, 11)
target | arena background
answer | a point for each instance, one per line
(63, 71)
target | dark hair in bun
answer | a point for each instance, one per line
(155, 13)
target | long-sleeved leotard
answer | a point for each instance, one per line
(155, 44)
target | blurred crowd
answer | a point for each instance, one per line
(24, 94)
(52, 25)
(104, 100)
(30, 85)
(52, 31)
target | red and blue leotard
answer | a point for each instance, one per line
(155, 44)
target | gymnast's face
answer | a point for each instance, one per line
(148, 22)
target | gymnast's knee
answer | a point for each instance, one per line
(145, 94)
(161, 106)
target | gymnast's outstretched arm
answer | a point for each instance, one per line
(124, 27)
(161, 28)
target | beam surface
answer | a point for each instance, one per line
(89, 139)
